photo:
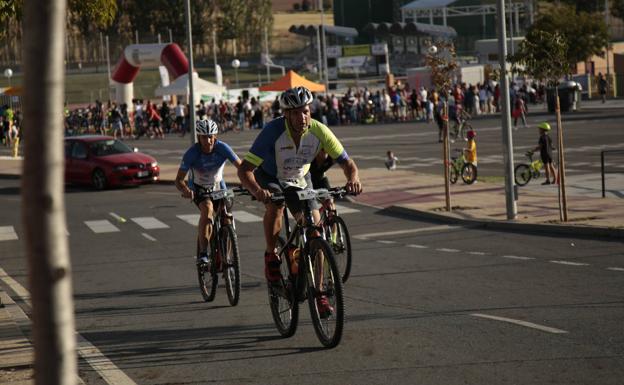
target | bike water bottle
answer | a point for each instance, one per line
(293, 254)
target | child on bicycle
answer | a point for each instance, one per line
(205, 159)
(545, 148)
(470, 151)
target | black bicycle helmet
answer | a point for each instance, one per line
(295, 97)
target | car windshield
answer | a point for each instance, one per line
(109, 147)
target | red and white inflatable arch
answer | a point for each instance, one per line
(136, 56)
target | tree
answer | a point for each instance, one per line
(441, 60)
(585, 34)
(43, 209)
(544, 56)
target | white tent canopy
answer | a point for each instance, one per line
(201, 87)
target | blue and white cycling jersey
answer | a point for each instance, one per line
(207, 169)
(275, 152)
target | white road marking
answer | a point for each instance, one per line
(98, 361)
(345, 210)
(387, 242)
(521, 323)
(615, 268)
(477, 253)
(517, 257)
(15, 286)
(245, 217)
(409, 231)
(7, 233)
(569, 263)
(448, 250)
(149, 223)
(413, 246)
(118, 218)
(146, 235)
(191, 219)
(101, 226)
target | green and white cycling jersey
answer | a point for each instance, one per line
(275, 152)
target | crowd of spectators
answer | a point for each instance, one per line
(397, 103)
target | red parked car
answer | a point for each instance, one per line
(103, 161)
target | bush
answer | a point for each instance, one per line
(305, 5)
(296, 7)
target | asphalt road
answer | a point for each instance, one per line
(426, 303)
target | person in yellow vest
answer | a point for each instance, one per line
(470, 151)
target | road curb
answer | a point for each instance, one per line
(531, 228)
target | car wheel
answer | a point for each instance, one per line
(98, 179)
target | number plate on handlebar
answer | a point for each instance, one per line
(306, 194)
(219, 194)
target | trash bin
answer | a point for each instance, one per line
(569, 96)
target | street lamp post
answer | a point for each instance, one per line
(235, 65)
(9, 73)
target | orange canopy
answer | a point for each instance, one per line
(290, 80)
(12, 91)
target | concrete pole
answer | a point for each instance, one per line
(108, 66)
(324, 48)
(318, 51)
(170, 36)
(191, 99)
(512, 210)
(266, 51)
(136, 36)
(444, 14)
(607, 53)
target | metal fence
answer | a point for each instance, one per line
(604, 170)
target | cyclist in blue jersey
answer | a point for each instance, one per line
(279, 160)
(206, 160)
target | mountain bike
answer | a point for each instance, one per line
(309, 272)
(461, 126)
(458, 166)
(224, 257)
(524, 172)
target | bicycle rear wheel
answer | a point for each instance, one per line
(231, 263)
(453, 174)
(321, 265)
(337, 236)
(282, 299)
(522, 174)
(208, 278)
(469, 173)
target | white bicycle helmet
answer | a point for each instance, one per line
(206, 127)
(295, 97)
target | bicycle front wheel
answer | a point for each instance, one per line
(522, 174)
(208, 278)
(325, 296)
(469, 173)
(337, 236)
(282, 299)
(231, 263)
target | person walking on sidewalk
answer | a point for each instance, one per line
(602, 87)
(545, 148)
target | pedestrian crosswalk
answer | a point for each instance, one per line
(104, 226)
